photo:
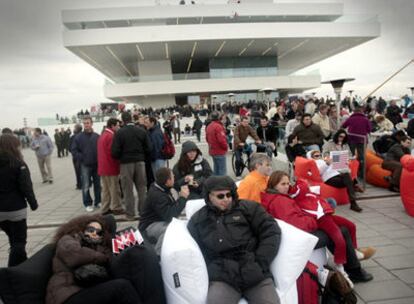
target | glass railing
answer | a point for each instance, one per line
(205, 75)
(360, 18)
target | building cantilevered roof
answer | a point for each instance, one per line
(168, 50)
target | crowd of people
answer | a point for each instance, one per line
(235, 231)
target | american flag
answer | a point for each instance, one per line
(339, 159)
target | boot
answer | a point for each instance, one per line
(355, 207)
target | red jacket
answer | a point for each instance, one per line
(282, 207)
(308, 201)
(216, 138)
(107, 165)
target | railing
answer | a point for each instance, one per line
(206, 75)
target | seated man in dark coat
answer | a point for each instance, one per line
(160, 206)
(239, 240)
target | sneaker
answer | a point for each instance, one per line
(367, 252)
(45, 182)
(89, 209)
(50, 182)
(360, 276)
(98, 206)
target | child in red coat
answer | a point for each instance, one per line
(316, 206)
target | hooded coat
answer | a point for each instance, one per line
(238, 244)
(200, 169)
(70, 254)
(309, 202)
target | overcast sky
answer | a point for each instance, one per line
(39, 77)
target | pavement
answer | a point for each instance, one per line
(383, 224)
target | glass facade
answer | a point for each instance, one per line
(231, 67)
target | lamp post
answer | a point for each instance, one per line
(213, 102)
(337, 85)
(351, 104)
(267, 92)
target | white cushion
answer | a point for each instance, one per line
(192, 206)
(295, 249)
(184, 270)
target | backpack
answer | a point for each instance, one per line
(168, 150)
(328, 296)
(308, 289)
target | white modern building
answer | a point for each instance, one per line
(159, 54)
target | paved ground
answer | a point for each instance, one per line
(382, 224)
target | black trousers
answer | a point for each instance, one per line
(77, 167)
(343, 180)
(118, 291)
(198, 133)
(352, 264)
(17, 234)
(359, 148)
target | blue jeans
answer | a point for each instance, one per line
(88, 174)
(312, 148)
(156, 164)
(219, 162)
(239, 160)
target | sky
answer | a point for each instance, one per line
(39, 77)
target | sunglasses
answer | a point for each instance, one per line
(91, 229)
(223, 195)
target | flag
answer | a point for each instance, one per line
(339, 159)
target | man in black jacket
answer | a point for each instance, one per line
(132, 146)
(269, 135)
(84, 149)
(160, 206)
(238, 240)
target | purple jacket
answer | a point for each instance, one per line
(357, 123)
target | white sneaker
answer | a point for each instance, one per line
(89, 209)
(99, 206)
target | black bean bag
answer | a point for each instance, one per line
(140, 265)
(27, 282)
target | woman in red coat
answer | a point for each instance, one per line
(311, 216)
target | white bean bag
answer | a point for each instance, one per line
(184, 270)
(295, 250)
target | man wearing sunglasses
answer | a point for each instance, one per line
(239, 240)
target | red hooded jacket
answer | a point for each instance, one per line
(309, 202)
(216, 138)
(282, 207)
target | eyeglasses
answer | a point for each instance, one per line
(90, 229)
(223, 195)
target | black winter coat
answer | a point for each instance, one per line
(270, 133)
(394, 114)
(131, 144)
(16, 189)
(160, 206)
(238, 245)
